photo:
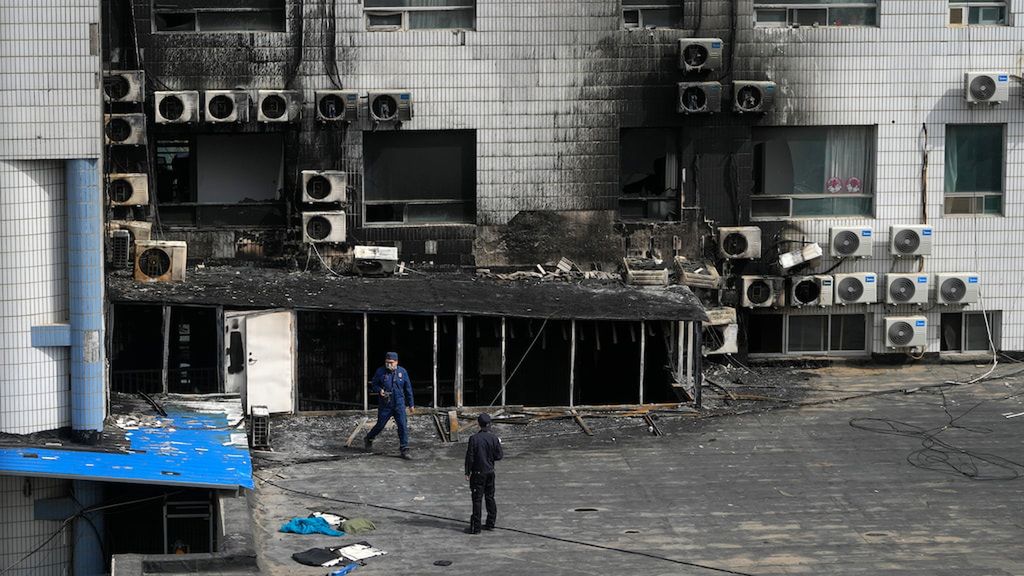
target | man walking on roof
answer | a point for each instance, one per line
(483, 450)
(391, 383)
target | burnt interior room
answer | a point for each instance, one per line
(447, 343)
(482, 360)
(537, 362)
(180, 522)
(136, 348)
(192, 351)
(330, 360)
(659, 360)
(607, 363)
(412, 337)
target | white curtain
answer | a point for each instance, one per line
(849, 159)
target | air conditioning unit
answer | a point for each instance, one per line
(140, 230)
(375, 260)
(721, 339)
(906, 331)
(957, 288)
(987, 87)
(278, 105)
(127, 129)
(743, 242)
(907, 288)
(119, 244)
(850, 241)
(176, 107)
(700, 54)
(810, 291)
(128, 189)
(124, 86)
(226, 105)
(910, 240)
(762, 291)
(323, 186)
(323, 227)
(855, 288)
(391, 107)
(337, 105)
(160, 261)
(752, 96)
(699, 97)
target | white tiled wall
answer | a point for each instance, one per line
(50, 100)
(34, 382)
(20, 533)
(906, 73)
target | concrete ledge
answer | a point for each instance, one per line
(51, 335)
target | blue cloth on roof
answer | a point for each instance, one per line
(315, 525)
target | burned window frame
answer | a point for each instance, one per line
(197, 13)
(788, 14)
(828, 349)
(670, 195)
(371, 201)
(633, 14)
(407, 12)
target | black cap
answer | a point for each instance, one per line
(484, 420)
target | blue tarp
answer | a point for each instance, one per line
(314, 525)
(190, 449)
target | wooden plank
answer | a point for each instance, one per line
(352, 436)
(582, 424)
(441, 432)
(652, 425)
(453, 426)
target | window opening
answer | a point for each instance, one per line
(968, 332)
(482, 354)
(391, 15)
(330, 360)
(192, 361)
(649, 174)
(543, 375)
(219, 16)
(137, 348)
(608, 363)
(648, 14)
(974, 176)
(801, 334)
(813, 171)
(977, 13)
(796, 13)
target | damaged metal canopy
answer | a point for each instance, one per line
(440, 294)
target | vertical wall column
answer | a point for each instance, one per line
(85, 297)
(366, 365)
(572, 363)
(504, 378)
(434, 387)
(643, 351)
(88, 528)
(460, 334)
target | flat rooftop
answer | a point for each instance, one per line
(831, 476)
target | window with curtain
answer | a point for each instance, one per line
(974, 169)
(815, 13)
(649, 174)
(218, 16)
(390, 15)
(652, 14)
(977, 13)
(813, 171)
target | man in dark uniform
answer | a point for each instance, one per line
(483, 450)
(391, 383)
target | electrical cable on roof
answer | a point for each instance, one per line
(516, 530)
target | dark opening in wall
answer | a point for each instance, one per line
(482, 345)
(447, 342)
(607, 363)
(412, 338)
(764, 334)
(330, 360)
(192, 355)
(136, 348)
(649, 174)
(181, 523)
(541, 350)
(219, 16)
(659, 363)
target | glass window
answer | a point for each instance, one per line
(977, 327)
(848, 333)
(977, 13)
(807, 334)
(419, 177)
(974, 169)
(652, 14)
(384, 15)
(219, 16)
(813, 171)
(968, 331)
(649, 174)
(815, 13)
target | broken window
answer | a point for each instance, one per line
(330, 360)
(649, 174)
(974, 169)
(183, 521)
(651, 14)
(390, 15)
(192, 356)
(969, 331)
(221, 180)
(796, 13)
(977, 13)
(219, 16)
(807, 334)
(813, 171)
(136, 348)
(419, 177)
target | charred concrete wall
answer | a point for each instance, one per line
(546, 86)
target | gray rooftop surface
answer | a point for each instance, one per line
(796, 490)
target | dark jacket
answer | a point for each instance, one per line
(396, 384)
(483, 450)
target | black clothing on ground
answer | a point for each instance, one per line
(483, 450)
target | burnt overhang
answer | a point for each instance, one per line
(254, 288)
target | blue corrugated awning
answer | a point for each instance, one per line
(189, 449)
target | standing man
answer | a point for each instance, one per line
(483, 450)
(391, 383)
